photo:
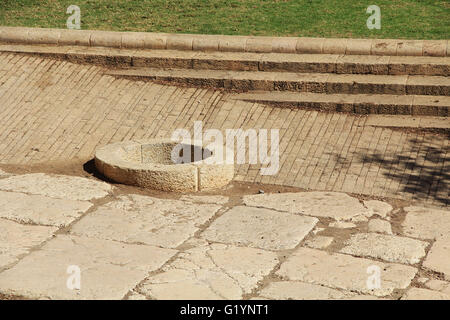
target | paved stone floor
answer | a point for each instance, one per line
(56, 110)
(375, 226)
(128, 244)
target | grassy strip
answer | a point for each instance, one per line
(402, 19)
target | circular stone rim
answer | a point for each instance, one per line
(183, 177)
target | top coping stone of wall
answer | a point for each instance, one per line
(225, 43)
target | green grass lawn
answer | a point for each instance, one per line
(411, 19)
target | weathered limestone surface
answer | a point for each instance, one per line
(342, 225)
(344, 272)
(3, 174)
(438, 259)
(379, 225)
(136, 296)
(108, 269)
(339, 206)
(213, 271)
(386, 247)
(16, 239)
(380, 208)
(319, 242)
(426, 223)
(424, 294)
(259, 228)
(166, 223)
(205, 199)
(56, 186)
(37, 209)
(296, 290)
(439, 285)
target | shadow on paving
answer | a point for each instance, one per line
(422, 169)
(90, 168)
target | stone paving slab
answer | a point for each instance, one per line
(334, 205)
(386, 247)
(62, 187)
(205, 199)
(213, 271)
(344, 272)
(259, 228)
(380, 226)
(123, 247)
(319, 242)
(164, 223)
(439, 285)
(424, 294)
(17, 240)
(378, 207)
(37, 209)
(296, 290)
(426, 223)
(438, 257)
(136, 296)
(108, 269)
(3, 174)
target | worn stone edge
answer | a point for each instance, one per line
(225, 43)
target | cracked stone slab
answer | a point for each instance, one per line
(378, 207)
(36, 209)
(141, 219)
(424, 294)
(426, 223)
(205, 199)
(108, 269)
(56, 186)
(136, 296)
(319, 242)
(296, 290)
(17, 239)
(336, 205)
(344, 272)
(213, 271)
(379, 225)
(386, 247)
(438, 258)
(259, 228)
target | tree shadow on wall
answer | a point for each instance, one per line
(422, 169)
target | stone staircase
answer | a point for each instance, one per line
(360, 84)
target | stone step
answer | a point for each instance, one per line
(299, 63)
(244, 61)
(300, 82)
(417, 105)
(400, 121)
